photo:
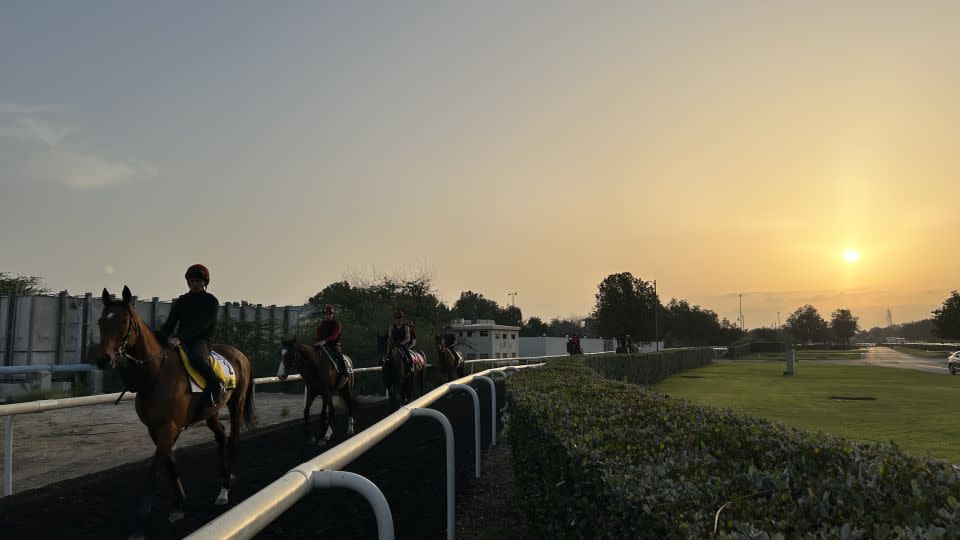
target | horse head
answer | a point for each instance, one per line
(289, 358)
(120, 327)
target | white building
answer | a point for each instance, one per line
(484, 338)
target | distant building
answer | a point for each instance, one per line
(484, 338)
(895, 340)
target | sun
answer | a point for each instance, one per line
(851, 255)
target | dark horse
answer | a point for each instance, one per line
(164, 402)
(319, 376)
(450, 362)
(572, 348)
(396, 378)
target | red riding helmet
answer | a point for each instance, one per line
(198, 271)
(398, 314)
(327, 308)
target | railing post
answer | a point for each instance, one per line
(363, 486)
(451, 471)
(476, 421)
(493, 408)
(8, 456)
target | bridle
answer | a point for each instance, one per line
(121, 351)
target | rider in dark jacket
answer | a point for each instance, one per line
(194, 318)
(327, 341)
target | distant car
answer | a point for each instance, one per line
(953, 362)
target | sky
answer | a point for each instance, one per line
(721, 148)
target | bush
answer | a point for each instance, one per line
(600, 458)
(649, 368)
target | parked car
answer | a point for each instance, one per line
(953, 363)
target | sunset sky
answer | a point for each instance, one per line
(717, 147)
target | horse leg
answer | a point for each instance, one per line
(216, 427)
(311, 438)
(348, 401)
(166, 437)
(327, 416)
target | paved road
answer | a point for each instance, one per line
(887, 357)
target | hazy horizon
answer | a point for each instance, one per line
(537, 148)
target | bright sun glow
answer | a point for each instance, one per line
(851, 255)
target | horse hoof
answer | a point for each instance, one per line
(175, 517)
(350, 430)
(222, 498)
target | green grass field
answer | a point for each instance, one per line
(915, 409)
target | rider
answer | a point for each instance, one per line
(327, 338)
(449, 340)
(194, 317)
(402, 336)
(575, 342)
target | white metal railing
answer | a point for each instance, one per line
(260, 509)
(11, 410)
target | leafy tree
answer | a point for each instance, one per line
(22, 285)
(806, 325)
(844, 325)
(626, 304)
(535, 327)
(946, 318)
(473, 306)
(692, 326)
(566, 326)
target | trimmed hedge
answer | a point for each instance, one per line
(649, 368)
(739, 350)
(597, 458)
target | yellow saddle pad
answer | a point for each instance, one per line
(221, 367)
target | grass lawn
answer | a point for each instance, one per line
(915, 409)
(826, 354)
(922, 353)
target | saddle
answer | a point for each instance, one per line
(221, 367)
(418, 359)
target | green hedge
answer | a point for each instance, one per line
(649, 368)
(597, 458)
(737, 351)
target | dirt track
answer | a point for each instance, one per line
(408, 467)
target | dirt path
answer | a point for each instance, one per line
(57, 445)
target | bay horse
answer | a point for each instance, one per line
(450, 362)
(164, 402)
(319, 376)
(396, 377)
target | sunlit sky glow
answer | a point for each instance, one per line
(719, 148)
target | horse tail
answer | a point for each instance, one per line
(249, 405)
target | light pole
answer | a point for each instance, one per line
(513, 298)
(656, 316)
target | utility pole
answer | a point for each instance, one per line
(741, 314)
(656, 316)
(513, 298)
(778, 320)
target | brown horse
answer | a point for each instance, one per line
(451, 362)
(319, 376)
(164, 402)
(396, 377)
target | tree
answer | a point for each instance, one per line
(695, 326)
(844, 325)
(626, 305)
(535, 327)
(946, 318)
(807, 325)
(21, 285)
(565, 327)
